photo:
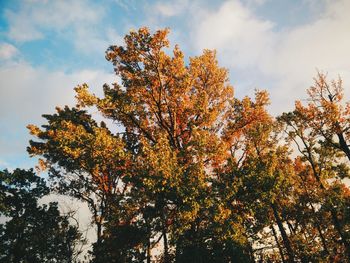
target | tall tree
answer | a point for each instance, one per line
(84, 159)
(319, 132)
(195, 174)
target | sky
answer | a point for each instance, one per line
(49, 47)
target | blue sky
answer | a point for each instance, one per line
(48, 47)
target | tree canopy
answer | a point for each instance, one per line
(189, 173)
(32, 232)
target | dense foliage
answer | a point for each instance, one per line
(33, 233)
(186, 172)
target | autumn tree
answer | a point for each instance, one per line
(172, 115)
(84, 160)
(319, 131)
(174, 112)
(185, 168)
(258, 161)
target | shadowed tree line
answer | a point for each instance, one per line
(186, 172)
(31, 232)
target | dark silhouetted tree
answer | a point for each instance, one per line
(32, 232)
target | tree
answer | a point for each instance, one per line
(189, 170)
(172, 115)
(328, 115)
(33, 232)
(319, 131)
(85, 160)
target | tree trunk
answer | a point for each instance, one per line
(343, 145)
(99, 232)
(166, 248)
(284, 235)
(149, 250)
(323, 240)
(278, 243)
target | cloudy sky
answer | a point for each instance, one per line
(47, 47)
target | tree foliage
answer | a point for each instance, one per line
(189, 173)
(33, 232)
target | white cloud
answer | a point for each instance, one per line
(114, 37)
(7, 51)
(78, 22)
(287, 59)
(169, 9)
(234, 31)
(34, 17)
(87, 41)
(27, 92)
(38, 90)
(323, 43)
